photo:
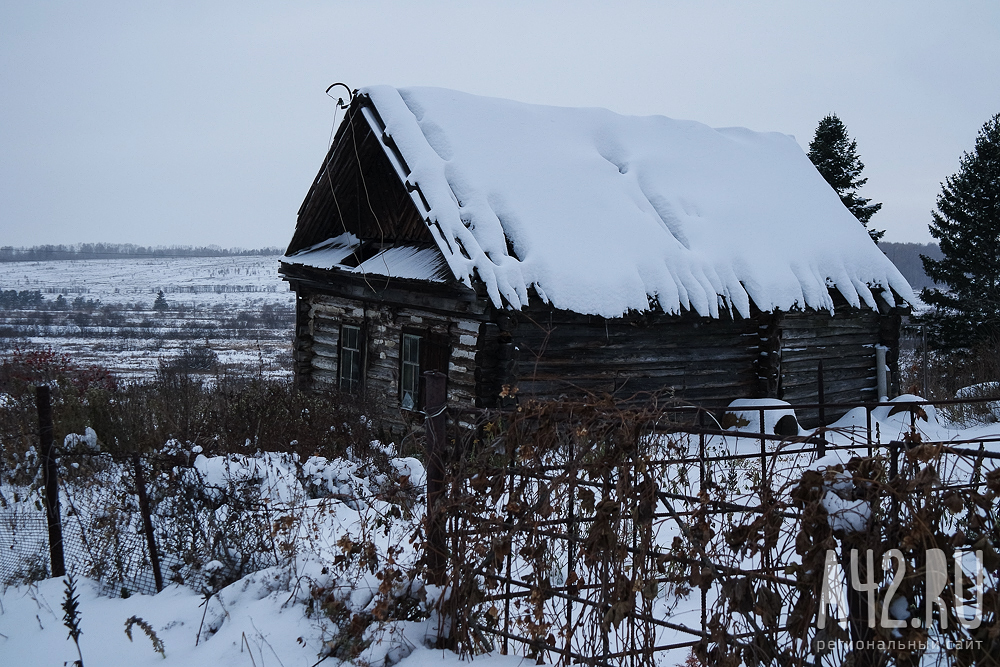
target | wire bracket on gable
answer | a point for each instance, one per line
(340, 100)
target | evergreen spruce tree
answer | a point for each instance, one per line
(836, 158)
(161, 301)
(967, 225)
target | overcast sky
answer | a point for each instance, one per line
(192, 123)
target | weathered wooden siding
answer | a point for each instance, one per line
(302, 344)
(358, 191)
(548, 354)
(558, 353)
(382, 327)
(845, 342)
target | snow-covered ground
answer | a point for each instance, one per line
(257, 626)
(262, 618)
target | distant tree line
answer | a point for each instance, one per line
(14, 300)
(33, 300)
(45, 253)
(906, 257)
(28, 313)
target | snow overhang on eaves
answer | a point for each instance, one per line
(718, 217)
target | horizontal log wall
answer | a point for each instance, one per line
(845, 342)
(699, 359)
(498, 357)
(302, 353)
(383, 328)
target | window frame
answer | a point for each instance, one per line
(356, 356)
(409, 387)
(433, 353)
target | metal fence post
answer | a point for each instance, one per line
(763, 452)
(50, 472)
(702, 494)
(436, 401)
(570, 552)
(147, 522)
(868, 418)
(895, 446)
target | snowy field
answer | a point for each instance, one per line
(195, 281)
(108, 316)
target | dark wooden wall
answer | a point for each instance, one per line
(498, 357)
(548, 353)
(844, 342)
(357, 190)
(558, 353)
(383, 326)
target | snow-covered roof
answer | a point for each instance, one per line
(396, 262)
(602, 213)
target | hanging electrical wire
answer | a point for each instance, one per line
(349, 118)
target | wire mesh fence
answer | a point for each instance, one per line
(24, 538)
(102, 531)
(590, 533)
(204, 534)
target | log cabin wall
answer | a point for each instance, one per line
(794, 343)
(559, 353)
(890, 324)
(845, 342)
(302, 345)
(548, 354)
(382, 327)
(545, 353)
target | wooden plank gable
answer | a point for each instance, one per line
(357, 190)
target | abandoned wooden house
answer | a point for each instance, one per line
(538, 252)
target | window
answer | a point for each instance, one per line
(350, 358)
(409, 386)
(421, 350)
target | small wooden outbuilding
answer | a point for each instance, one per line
(530, 251)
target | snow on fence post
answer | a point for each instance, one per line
(50, 473)
(147, 522)
(435, 402)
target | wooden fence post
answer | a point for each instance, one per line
(821, 396)
(436, 401)
(50, 473)
(147, 522)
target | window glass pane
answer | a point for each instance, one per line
(350, 358)
(409, 384)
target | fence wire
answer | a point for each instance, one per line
(205, 535)
(24, 537)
